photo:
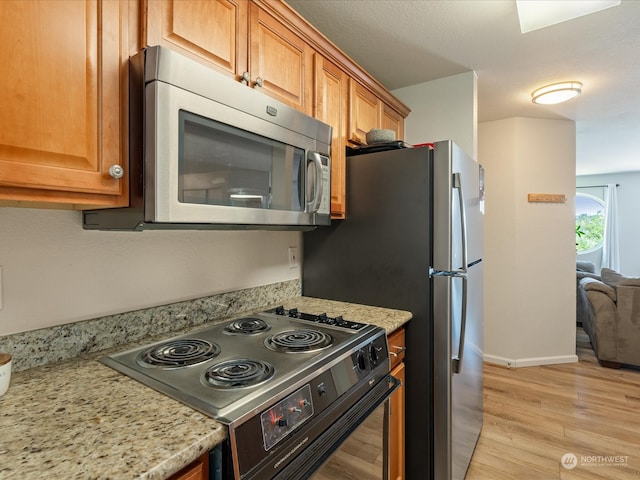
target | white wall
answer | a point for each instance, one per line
(628, 217)
(54, 272)
(529, 247)
(443, 109)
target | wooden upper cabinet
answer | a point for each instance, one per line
(280, 62)
(211, 31)
(237, 38)
(331, 103)
(368, 111)
(62, 94)
(392, 120)
(365, 112)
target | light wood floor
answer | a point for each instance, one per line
(533, 416)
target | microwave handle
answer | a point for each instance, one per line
(314, 204)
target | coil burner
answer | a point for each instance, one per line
(247, 326)
(298, 341)
(179, 353)
(238, 373)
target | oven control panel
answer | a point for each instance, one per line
(285, 416)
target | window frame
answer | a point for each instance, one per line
(601, 202)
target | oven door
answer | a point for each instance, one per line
(364, 454)
(325, 458)
(312, 447)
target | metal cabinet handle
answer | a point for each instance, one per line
(259, 82)
(116, 171)
(245, 78)
(400, 350)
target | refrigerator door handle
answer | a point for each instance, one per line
(457, 184)
(456, 361)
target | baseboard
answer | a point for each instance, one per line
(529, 362)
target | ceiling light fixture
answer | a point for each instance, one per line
(535, 14)
(556, 93)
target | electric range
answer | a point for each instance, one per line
(289, 385)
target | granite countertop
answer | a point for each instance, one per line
(81, 419)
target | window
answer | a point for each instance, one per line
(589, 222)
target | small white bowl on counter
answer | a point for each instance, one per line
(5, 372)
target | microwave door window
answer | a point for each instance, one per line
(223, 165)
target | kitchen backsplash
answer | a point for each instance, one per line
(40, 347)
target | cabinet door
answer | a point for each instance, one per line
(61, 95)
(396, 420)
(330, 106)
(365, 112)
(281, 60)
(392, 120)
(211, 31)
(198, 470)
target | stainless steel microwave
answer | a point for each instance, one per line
(207, 152)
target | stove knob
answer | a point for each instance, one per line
(293, 312)
(280, 310)
(282, 422)
(322, 390)
(373, 353)
(362, 363)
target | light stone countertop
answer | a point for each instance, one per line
(81, 419)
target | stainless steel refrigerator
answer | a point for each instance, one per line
(412, 240)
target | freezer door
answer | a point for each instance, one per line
(457, 217)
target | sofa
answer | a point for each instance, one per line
(608, 306)
(583, 269)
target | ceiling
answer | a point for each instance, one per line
(407, 42)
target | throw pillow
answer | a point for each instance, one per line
(613, 278)
(584, 266)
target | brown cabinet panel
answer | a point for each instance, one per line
(396, 346)
(396, 420)
(331, 106)
(61, 117)
(392, 120)
(396, 341)
(234, 37)
(211, 31)
(198, 470)
(281, 59)
(365, 112)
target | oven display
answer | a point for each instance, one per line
(285, 416)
